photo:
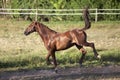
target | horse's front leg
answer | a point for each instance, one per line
(54, 60)
(47, 58)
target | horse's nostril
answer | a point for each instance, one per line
(25, 33)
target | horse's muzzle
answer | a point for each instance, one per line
(26, 33)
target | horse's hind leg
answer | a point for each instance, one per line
(93, 47)
(83, 54)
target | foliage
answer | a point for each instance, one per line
(63, 4)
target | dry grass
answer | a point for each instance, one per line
(19, 51)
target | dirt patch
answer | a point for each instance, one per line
(74, 73)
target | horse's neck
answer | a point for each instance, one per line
(46, 33)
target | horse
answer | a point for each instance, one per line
(55, 41)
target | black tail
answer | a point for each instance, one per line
(86, 19)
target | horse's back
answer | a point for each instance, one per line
(67, 39)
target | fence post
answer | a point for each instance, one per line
(96, 15)
(36, 15)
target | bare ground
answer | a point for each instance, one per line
(74, 73)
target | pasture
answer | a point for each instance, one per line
(20, 52)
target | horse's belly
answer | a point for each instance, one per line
(62, 44)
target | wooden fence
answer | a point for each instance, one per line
(58, 12)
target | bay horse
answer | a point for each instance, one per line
(55, 41)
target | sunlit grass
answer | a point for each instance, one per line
(18, 51)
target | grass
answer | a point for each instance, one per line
(20, 52)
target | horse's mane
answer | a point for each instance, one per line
(46, 29)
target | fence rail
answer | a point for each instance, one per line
(50, 12)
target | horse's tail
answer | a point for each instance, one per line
(86, 19)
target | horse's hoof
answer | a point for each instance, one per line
(81, 65)
(52, 63)
(48, 63)
(56, 70)
(99, 56)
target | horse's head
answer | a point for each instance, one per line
(31, 28)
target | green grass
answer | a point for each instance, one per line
(20, 52)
